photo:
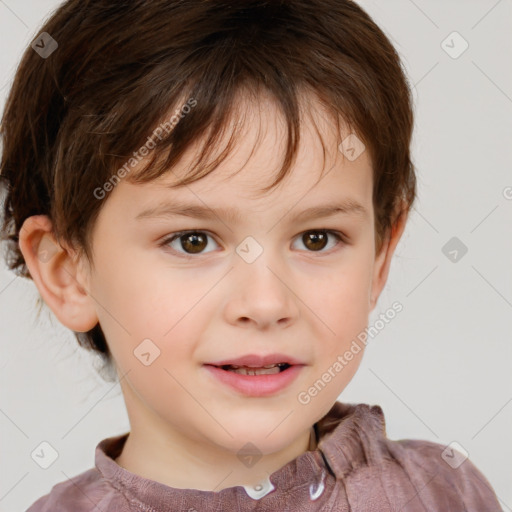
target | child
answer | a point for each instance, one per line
(278, 135)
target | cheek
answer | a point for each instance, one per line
(137, 303)
(144, 298)
(341, 301)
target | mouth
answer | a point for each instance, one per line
(270, 369)
(259, 362)
(254, 375)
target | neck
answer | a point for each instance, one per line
(177, 462)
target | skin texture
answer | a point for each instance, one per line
(186, 427)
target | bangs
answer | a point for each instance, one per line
(203, 124)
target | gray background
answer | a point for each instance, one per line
(441, 370)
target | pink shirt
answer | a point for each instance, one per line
(354, 468)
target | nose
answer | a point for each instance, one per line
(261, 294)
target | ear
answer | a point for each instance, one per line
(57, 273)
(383, 259)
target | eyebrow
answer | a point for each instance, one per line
(176, 208)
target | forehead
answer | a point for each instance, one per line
(320, 176)
(253, 144)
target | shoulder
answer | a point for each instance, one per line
(443, 475)
(413, 475)
(82, 493)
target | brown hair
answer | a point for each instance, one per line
(75, 117)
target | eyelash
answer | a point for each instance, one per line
(173, 236)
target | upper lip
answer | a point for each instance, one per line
(258, 361)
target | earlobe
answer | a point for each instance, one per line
(55, 271)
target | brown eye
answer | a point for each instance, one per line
(188, 242)
(317, 239)
(193, 242)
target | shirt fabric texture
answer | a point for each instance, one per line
(354, 468)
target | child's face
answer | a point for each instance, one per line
(226, 300)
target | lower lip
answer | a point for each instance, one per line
(256, 385)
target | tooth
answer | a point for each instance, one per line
(256, 371)
(236, 367)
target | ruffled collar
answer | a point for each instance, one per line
(347, 437)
